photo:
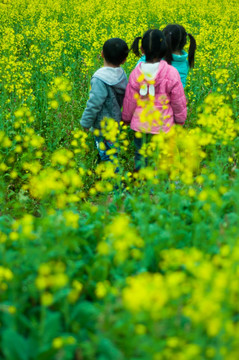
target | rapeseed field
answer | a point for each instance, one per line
(100, 264)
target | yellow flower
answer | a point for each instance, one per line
(12, 310)
(46, 299)
(54, 104)
(13, 236)
(41, 282)
(72, 219)
(203, 195)
(213, 326)
(140, 78)
(19, 113)
(57, 343)
(140, 329)
(103, 248)
(44, 269)
(191, 192)
(101, 289)
(13, 174)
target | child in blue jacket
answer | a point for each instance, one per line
(106, 96)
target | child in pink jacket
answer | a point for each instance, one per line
(154, 98)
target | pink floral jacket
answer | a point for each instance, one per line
(169, 102)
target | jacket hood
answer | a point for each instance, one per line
(114, 77)
(180, 58)
(160, 73)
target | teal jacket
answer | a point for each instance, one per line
(180, 62)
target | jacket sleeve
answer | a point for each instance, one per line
(178, 102)
(97, 97)
(129, 104)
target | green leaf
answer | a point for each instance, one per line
(84, 313)
(14, 346)
(108, 351)
(52, 327)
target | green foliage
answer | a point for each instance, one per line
(115, 266)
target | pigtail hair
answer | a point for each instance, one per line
(168, 56)
(191, 52)
(135, 46)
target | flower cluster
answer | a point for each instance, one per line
(5, 276)
(97, 260)
(60, 89)
(121, 240)
(217, 120)
(51, 277)
(202, 290)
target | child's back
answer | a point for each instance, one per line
(154, 98)
(107, 86)
(106, 97)
(180, 62)
(176, 38)
(169, 98)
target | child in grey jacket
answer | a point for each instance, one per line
(106, 96)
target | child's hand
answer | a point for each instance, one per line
(85, 129)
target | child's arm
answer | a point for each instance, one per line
(178, 102)
(98, 94)
(129, 104)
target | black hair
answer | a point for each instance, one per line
(153, 44)
(176, 37)
(115, 51)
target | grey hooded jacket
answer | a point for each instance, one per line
(106, 96)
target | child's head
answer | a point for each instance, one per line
(176, 37)
(115, 51)
(153, 45)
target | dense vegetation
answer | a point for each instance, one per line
(98, 265)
